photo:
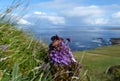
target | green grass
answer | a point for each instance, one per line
(23, 58)
(109, 50)
(22, 55)
(98, 60)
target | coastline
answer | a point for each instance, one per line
(113, 28)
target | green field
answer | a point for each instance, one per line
(97, 61)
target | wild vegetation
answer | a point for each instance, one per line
(20, 54)
(98, 61)
(22, 57)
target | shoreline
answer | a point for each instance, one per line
(113, 28)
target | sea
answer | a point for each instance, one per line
(83, 37)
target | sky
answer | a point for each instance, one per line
(47, 13)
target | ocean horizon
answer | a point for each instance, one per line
(83, 38)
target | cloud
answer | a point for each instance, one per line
(77, 13)
(54, 19)
(100, 21)
(82, 15)
(93, 15)
(116, 15)
(15, 18)
(85, 15)
(114, 20)
(23, 22)
(20, 20)
(84, 11)
(40, 13)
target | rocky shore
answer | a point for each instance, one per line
(115, 41)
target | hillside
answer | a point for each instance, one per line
(20, 53)
(21, 57)
(97, 61)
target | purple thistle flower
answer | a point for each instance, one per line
(62, 54)
(4, 47)
(64, 62)
(55, 60)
